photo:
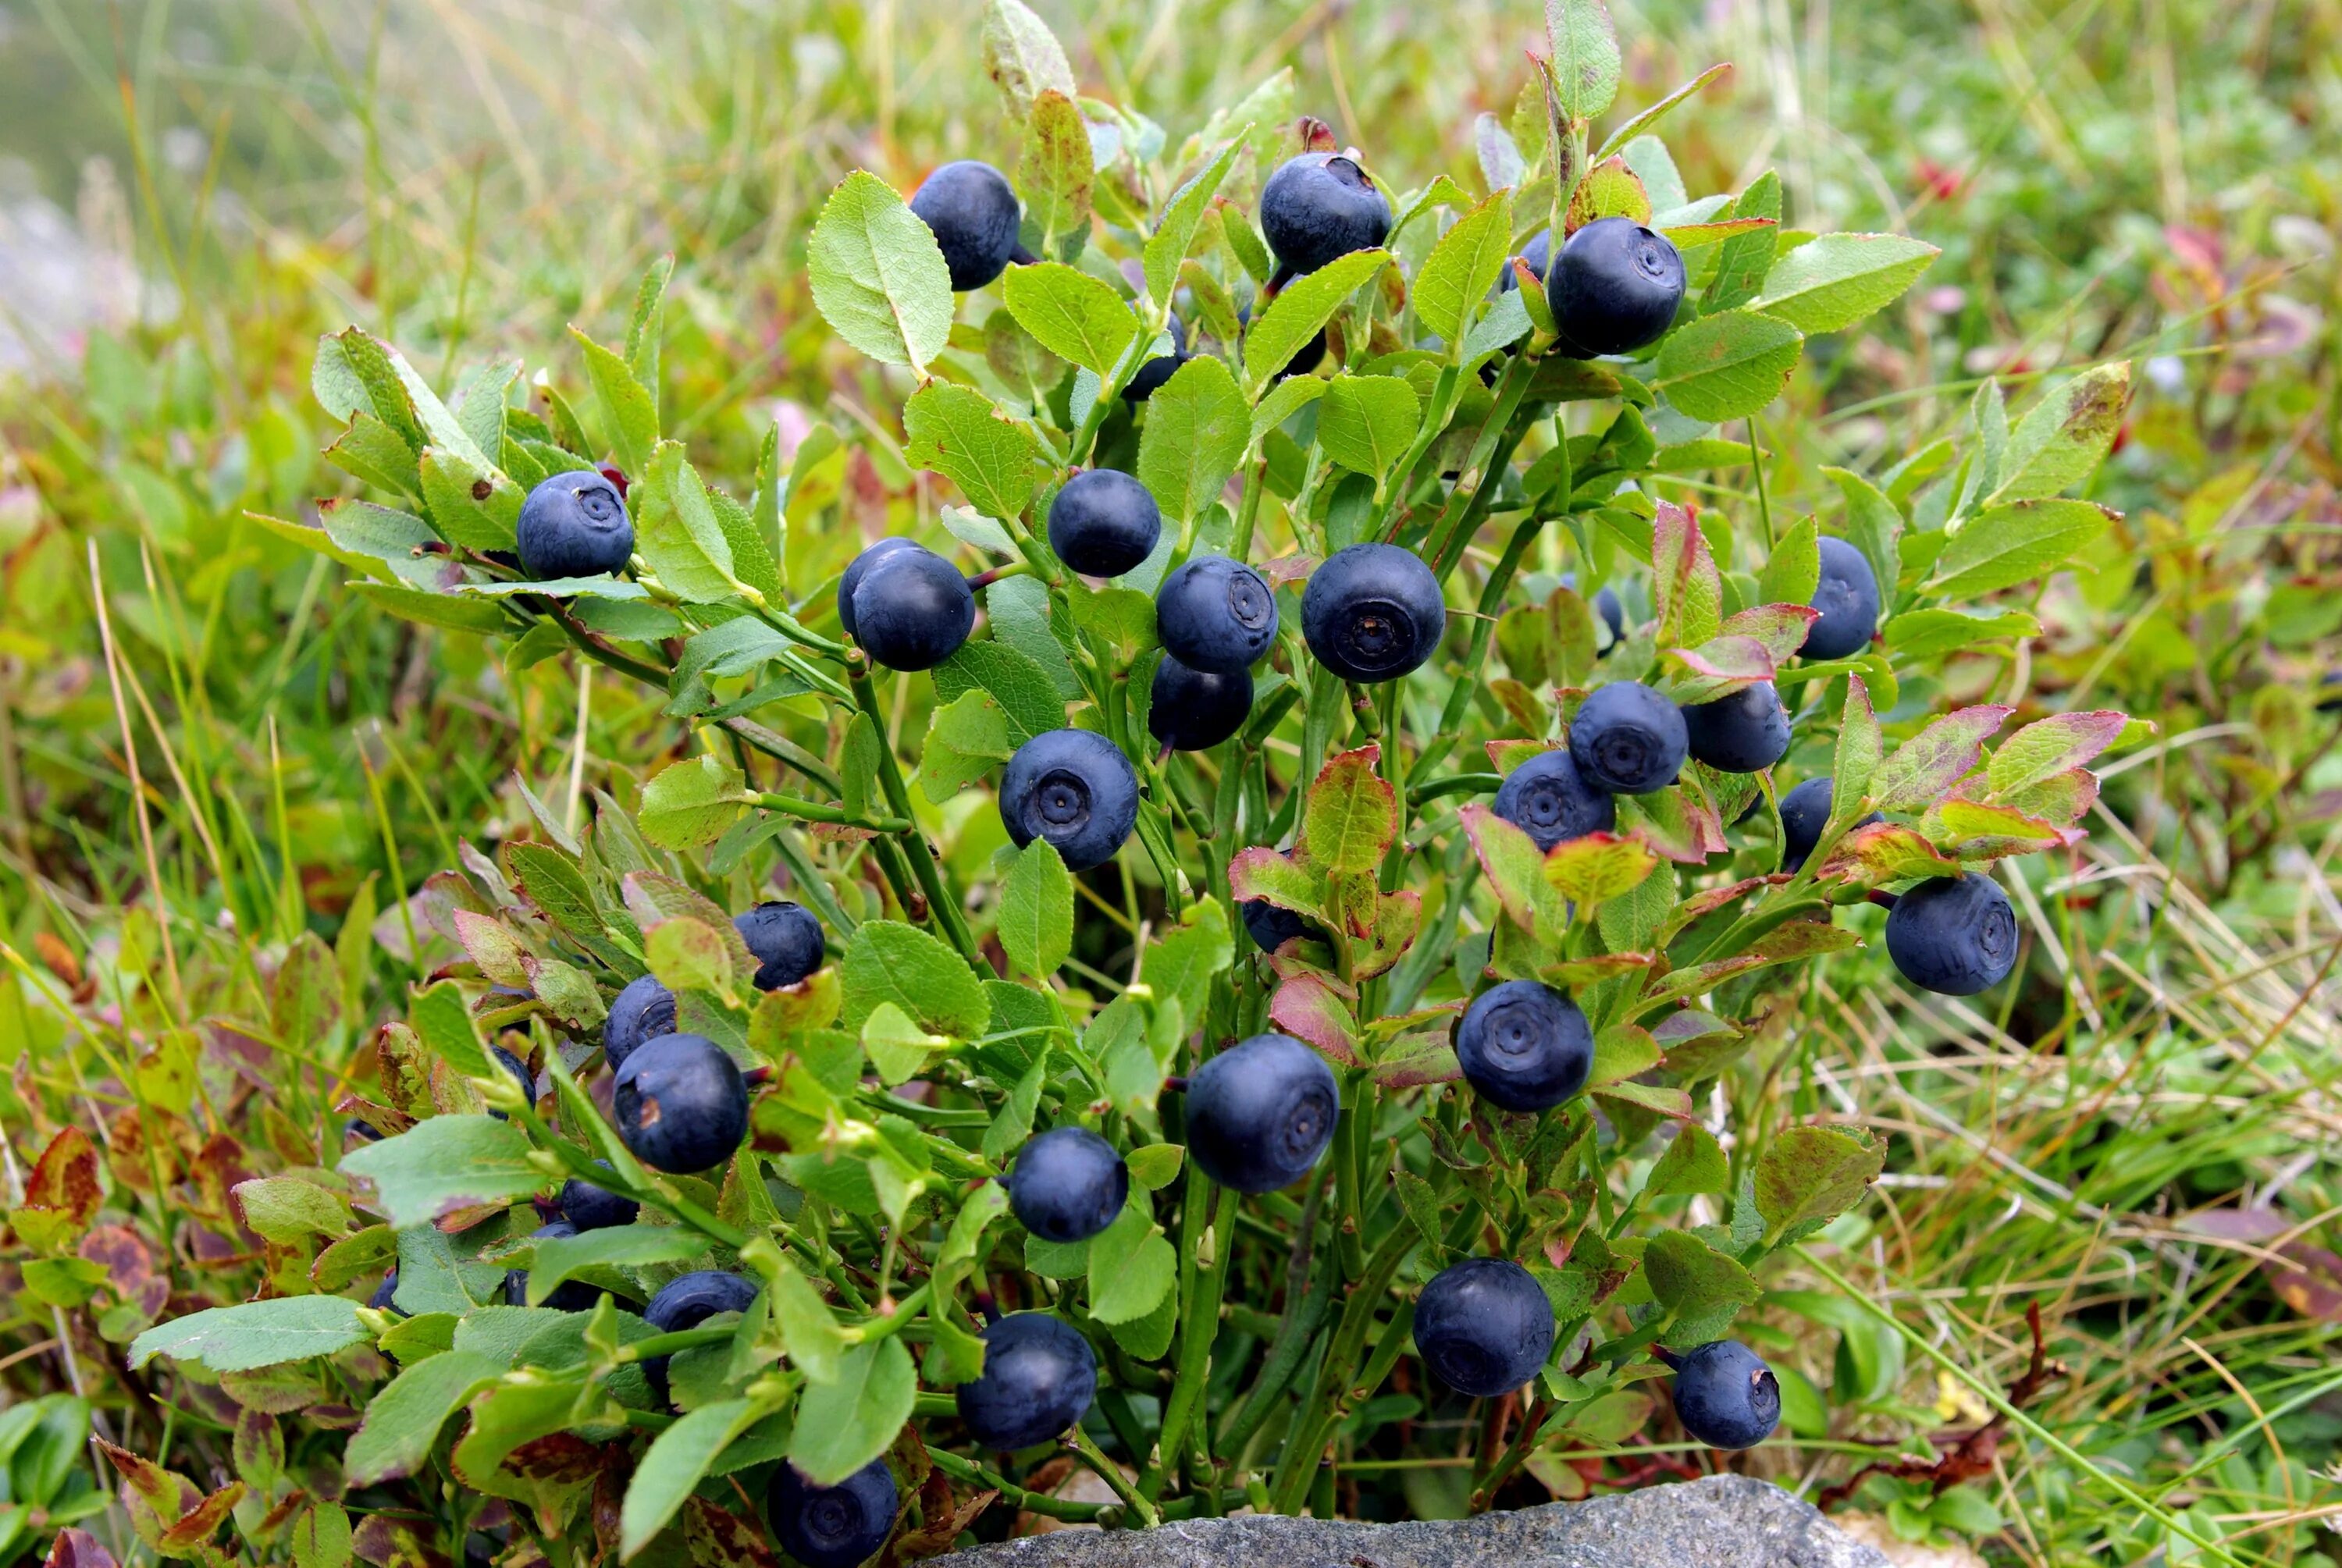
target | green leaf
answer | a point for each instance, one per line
(1053, 174)
(674, 1466)
(1727, 365)
(1289, 397)
(559, 1258)
(471, 503)
(2064, 437)
(677, 530)
(254, 1333)
(751, 555)
(1746, 258)
(1036, 910)
(320, 1536)
(1366, 422)
(1585, 62)
(628, 406)
(966, 738)
(1119, 624)
(1462, 268)
(1184, 957)
(897, 1047)
(957, 431)
(1155, 1166)
(891, 961)
(1813, 1173)
(1858, 748)
(1132, 1266)
(1022, 56)
(1794, 568)
(688, 955)
(1872, 526)
(1828, 284)
(444, 1164)
(2006, 545)
(1506, 323)
(1014, 1122)
(455, 614)
(1027, 697)
(1077, 317)
(441, 1016)
(879, 277)
(1693, 1162)
(1174, 231)
(1198, 427)
(815, 1342)
(844, 1423)
(1300, 312)
(1927, 633)
(1351, 815)
(691, 803)
(643, 326)
(403, 1421)
(1645, 119)
(1700, 1286)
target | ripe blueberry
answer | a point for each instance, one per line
(1606, 604)
(1192, 710)
(1150, 376)
(592, 1208)
(1847, 597)
(1954, 935)
(836, 1526)
(1215, 614)
(1319, 207)
(1373, 612)
(687, 1302)
(784, 939)
(1261, 1113)
(521, 1075)
(644, 1011)
(1074, 789)
(1739, 733)
(972, 208)
(912, 609)
(385, 1294)
(1483, 1326)
(1726, 1397)
(681, 1104)
(1628, 739)
(1537, 253)
(1272, 926)
(1067, 1185)
(1525, 1047)
(1547, 798)
(852, 578)
(574, 525)
(1040, 1378)
(1805, 812)
(1615, 287)
(1104, 522)
(569, 1295)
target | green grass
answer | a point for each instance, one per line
(466, 181)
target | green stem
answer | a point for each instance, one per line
(1298, 1466)
(1248, 508)
(812, 811)
(1111, 1473)
(1199, 1326)
(943, 908)
(1455, 783)
(1016, 1496)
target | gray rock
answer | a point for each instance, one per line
(1717, 1521)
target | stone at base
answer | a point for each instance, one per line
(1717, 1521)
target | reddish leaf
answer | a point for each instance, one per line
(156, 1498)
(1924, 768)
(1509, 858)
(79, 1549)
(1883, 851)
(2052, 745)
(1595, 866)
(2063, 798)
(201, 1523)
(1397, 916)
(1781, 628)
(395, 1540)
(1721, 666)
(2309, 1281)
(1701, 904)
(1675, 821)
(1978, 832)
(1414, 1059)
(1685, 581)
(492, 947)
(1279, 879)
(1307, 1008)
(1350, 816)
(1794, 940)
(65, 1178)
(1506, 755)
(1662, 1098)
(1573, 973)
(719, 1538)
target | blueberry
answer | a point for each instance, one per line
(1073, 788)
(1373, 612)
(1726, 1397)
(972, 208)
(1847, 597)
(852, 578)
(1215, 614)
(1193, 711)
(1040, 1378)
(1615, 287)
(784, 939)
(1483, 1326)
(1150, 376)
(1606, 604)
(681, 1104)
(1261, 1113)
(1548, 799)
(1954, 935)
(1739, 733)
(644, 1011)
(521, 1075)
(592, 1208)
(1628, 739)
(1104, 522)
(1805, 812)
(1537, 253)
(911, 610)
(1067, 1185)
(1272, 926)
(385, 1294)
(687, 1302)
(574, 525)
(1319, 207)
(569, 1295)
(837, 1527)
(1525, 1047)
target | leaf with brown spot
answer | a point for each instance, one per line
(79, 1549)
(719, 1538)
(62, 1193)
(2309, 1281)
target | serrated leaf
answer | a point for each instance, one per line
(630, 414)
(1832, 281)
(1813, 1173)
(966, 738)
(1036, 924)
(845, 1422)
(1197, 427)
(1174, 231)
(403, 1421)
(1727, 366)
(879, 277)
(1501, 164)
(1022, 56)
(674, 1466)
(2053, 745)
(1609, 190)
(1595, 866)
(1055, 171)
(1367, 421)
(1858, 749)
(2064, 437)
(1794, 569)
(1462, 268)
(444, 1164)
(2006, 545)
(1924, 768)
(1027, 697)
(1131, 1268)
(1872, 526)
(691, 803)
(1925, 634)
(1685, 583)
(891, 961)
(957, 431)
(1351, 815)
(1288, 398)
(1693, 1163)
(1306, 1007)
(1883, 851)
(254, 1333)
(1643, 120)
(1746, 258)
(1074, 316)
(677, 530)
(1300, 312)
(1586, 63)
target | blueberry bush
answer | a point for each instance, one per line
(1219, 953)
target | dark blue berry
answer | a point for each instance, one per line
(1040, 1378)
(1805, 812)
(520, 1075)
(385, 1294)
(837, 1527)
(1628, 739)
(681, 1104)
(592, 1208)
(1104, 522)
(1074, 789)
(644, 1011)
(1537, 253)
(912, 609)
(1150, 376)
(1606, 604)
(785, 941)
(1741, 733)
(1193, 710)
(1272, 926)
(687, 1302)
(1483, 1326)
(569, 1295)
(1954, 935)
(972, 208)
(1547, 798)
(1373, 612)
(1726, 1397)
(1260, 1114)
(1067, 1185)
(1320, 206)
(1525, 1047)
(857, 568)
(1847, 597)
(1615, 287)
(1215, 614)
(574, 525)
